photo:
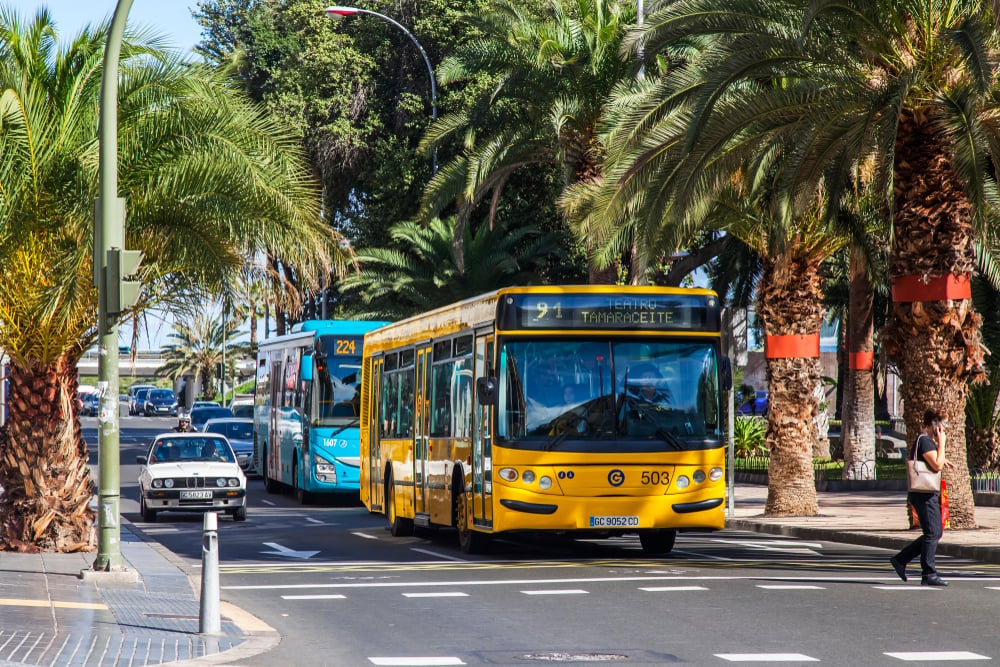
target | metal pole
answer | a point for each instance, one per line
(346, 11)
(109, 232)
(209, 618)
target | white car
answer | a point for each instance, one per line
(191, 472)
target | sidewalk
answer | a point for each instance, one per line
(50, 616)
(875, 519)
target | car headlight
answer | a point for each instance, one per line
(699, 476)
(234, 481)
(544, 482)
(169, 483)
(715, 474)
(528, 477)
(220, 481)
(157, 483)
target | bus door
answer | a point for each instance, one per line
(372, 384)
(482, 439)
(421, 426)
(272, 466)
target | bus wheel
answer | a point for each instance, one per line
(657, 541)
(270, 485)
(398, 526)
(469, 541)
(301, 494)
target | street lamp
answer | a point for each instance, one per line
(351, 11)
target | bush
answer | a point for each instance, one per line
(749, 436)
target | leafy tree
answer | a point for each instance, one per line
(209, 179)
(197, 344)
(424, 275)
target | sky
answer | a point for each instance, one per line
(172, 18)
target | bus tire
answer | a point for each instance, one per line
(398, 526)
(301, 494)
(657, 541)
(469, 541)
(270, 485)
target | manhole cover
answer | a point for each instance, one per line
(574, 657)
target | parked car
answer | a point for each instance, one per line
(158, 402)
(239, 433)
(201, 415)
(90, 404)
(191, 472)
(758, 406)
(133, 393)
(206, 404)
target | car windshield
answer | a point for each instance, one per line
(182, 450)
(618, 391)
(233, 430)
(161, 394)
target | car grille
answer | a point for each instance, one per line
(189, 482)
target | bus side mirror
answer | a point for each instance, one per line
(726, 373)
(486, 390)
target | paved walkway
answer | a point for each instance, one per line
(50, 616)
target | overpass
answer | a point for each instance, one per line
(145, 364)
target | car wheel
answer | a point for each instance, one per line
(469, 541)
(148, 515)
(240, 514)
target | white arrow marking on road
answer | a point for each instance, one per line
(285, 551)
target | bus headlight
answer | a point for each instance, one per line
(683, 482)
(715, 474)
(326, 471)
(528, 477)
(508, 474)
(699, 476)
(545, 483)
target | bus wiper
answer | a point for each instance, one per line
(551, 444)
(346, 426)
(669, 438)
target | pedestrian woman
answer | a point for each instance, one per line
(929, 446)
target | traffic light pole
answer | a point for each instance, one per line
(109, 234)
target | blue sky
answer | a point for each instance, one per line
(172, 18)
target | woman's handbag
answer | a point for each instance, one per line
(920, 477)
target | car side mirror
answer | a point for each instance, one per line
(486, 390)
(140, 460)
(726, 373)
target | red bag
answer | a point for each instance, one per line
(945, 513)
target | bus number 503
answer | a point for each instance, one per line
(655, 477)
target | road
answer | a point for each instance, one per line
(342, 591)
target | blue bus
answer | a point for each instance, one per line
(307, 407)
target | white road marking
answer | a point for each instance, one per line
(316, 521)
(268, 502)
(790, 587)
(314, 597)
(901, 587)
(766, 657)
(776, 545)
(415, 662)
(365, 535)
(286, 565)
(280, 550)
(932, 656)
(696, 554)
(557, 591)
(440, 555)
(443, 594)
(667, 589)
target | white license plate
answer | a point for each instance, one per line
(196, 495)
(614, 521)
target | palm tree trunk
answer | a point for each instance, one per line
(45, 502)
(857, 432)
(936, 344)
(790, 303)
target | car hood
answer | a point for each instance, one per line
(241, 446)
(193, 469)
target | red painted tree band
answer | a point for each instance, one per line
(907, 289)
(794, 346)
(861, 361)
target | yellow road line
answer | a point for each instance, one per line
(59, 604)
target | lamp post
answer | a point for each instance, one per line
(351, 11)
(111, 263)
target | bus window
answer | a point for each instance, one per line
(441, 399)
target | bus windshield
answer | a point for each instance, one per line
(651, 391)
(339, 388)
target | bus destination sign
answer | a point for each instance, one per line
(341, 345)
(664, 312)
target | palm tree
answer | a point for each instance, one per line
(423, 273)
(198, 343)
(209, 179)
(537, 86)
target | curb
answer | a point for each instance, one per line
(986, 554)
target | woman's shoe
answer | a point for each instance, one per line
(933, 580)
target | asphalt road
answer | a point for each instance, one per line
(342, 591)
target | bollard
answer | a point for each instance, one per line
(209, 622)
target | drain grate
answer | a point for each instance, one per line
(574, 657)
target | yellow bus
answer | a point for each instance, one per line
(590, 410)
